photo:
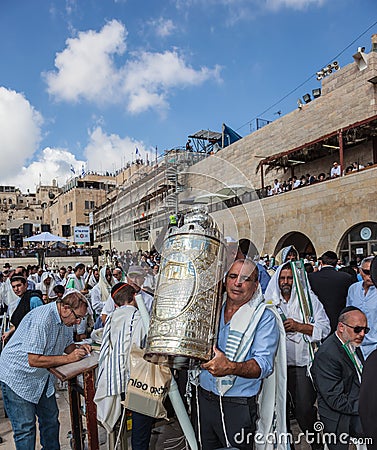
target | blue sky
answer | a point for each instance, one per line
(86, 82)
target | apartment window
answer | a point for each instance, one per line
(65, 209)
(70, 206)
(89, 204)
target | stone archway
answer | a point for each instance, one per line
(358, 242)
(300, 241)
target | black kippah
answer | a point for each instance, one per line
(348, 309)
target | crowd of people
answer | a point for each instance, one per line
(294, 339)
(281, 186)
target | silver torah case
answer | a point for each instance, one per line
(187, 299)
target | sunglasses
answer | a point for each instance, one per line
(366, 271)
(357, 329)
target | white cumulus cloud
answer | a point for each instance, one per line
(20, 132)
(148, 78)
(86, 70)
(109, 152)
(50, 164)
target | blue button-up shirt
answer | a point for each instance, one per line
(40, 332)
(368, 304)
(262, 350)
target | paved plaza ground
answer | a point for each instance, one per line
(166, 434)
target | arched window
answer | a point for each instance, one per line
(358, 242)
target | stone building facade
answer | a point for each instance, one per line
(76, 201)
(340, 125)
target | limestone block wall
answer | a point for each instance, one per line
(347, 97)
(323, 212)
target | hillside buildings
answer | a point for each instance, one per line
(336, 122)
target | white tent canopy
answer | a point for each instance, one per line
(45, 237)
(210, 198)
(234, 190)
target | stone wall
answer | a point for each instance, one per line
(324, 212)
(347, 98)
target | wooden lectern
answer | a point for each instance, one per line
(70, 372)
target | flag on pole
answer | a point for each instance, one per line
(72, 169)
(82, 170)
(137, 152)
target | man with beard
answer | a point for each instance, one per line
(301, 334)
(336, 374)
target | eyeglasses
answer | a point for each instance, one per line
(76, 316)
(366, 271)
(357, 329)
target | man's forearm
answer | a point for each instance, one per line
(46, 362)
(291, 325)
(246, 369)
(74, 353)
(220, 366)
(305, 328)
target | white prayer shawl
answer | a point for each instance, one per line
(122, 328)
(73, 282)
(297, 344)
(100, 292)
(10, 298)
(104, 285)
(47, 289)
(92, 281)
(272, 398)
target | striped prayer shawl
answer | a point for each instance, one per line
(113, 372)
(113, 358)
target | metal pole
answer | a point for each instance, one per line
(174, 395)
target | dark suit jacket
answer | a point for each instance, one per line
(337, 385)
(331, 287)
(368, 399)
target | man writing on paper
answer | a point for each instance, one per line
(39, 342)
